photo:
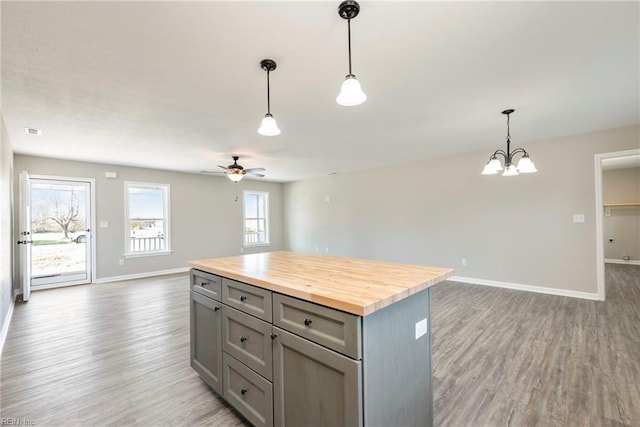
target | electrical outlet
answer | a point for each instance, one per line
(464, 262)
(421, 328)
(121, 262)
(326, 250)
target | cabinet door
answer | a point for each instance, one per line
(314, 386)
(206, 340)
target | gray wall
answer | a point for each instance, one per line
(6, 246)
(621, 186)
(205, 220)
(510, 229)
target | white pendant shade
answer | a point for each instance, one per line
(525, 165)
(351, 93)
(510, 171)
(489, 170)
(269, 127)
(492, 167)
(235, 177)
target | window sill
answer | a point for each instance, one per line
(146, 254)
(255, 245)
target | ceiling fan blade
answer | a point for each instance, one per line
(256, 174)
(213, 172)
(252, 170)
(223, 167)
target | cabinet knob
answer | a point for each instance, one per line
(243, 298)
(243, 339)
(274, 336)
(307, 322)
(243, 391)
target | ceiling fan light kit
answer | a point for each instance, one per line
(351, 93)
(268, 127)
(525, 165)
(236, 172)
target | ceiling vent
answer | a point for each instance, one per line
(32, 131)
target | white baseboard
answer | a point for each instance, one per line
(528, 288)
(621, 261)
(5, 326)
(142, 275)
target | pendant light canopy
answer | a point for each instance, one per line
(269, 127)
(351, 92)
(525, 165)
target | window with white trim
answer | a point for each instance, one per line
(256, 218)
(146, 219)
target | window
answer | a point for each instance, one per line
(256, 218)
(146, 219)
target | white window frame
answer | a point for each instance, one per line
(167, 220)
(264, 194)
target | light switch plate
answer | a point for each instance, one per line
(578, 218)
(421, 328)
(104, 224)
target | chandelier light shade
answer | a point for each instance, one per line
(525, 165)
(350, 92)
(268, 127)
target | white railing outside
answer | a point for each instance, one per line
(147, 244)
(257, 237)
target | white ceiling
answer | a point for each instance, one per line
(177, 85)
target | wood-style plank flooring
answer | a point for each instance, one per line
(118, 354)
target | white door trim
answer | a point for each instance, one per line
(94, 224)
(599, 214)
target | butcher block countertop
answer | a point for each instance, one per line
(357, 286)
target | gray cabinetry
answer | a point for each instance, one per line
(283, 361)
(314, 386)
(206, 343)
(248, 339)
(248, 392)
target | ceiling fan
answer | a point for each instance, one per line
(236, 172)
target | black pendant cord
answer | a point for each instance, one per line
(268, 95)
(349, 36)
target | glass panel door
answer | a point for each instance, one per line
(61, 232)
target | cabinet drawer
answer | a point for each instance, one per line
(249, 340)
(206, 284)
(334, 329)
(250, 299)
(248, 392)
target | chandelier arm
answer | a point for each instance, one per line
(502, 153)
(519, 151)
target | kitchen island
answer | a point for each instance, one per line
(297, 339)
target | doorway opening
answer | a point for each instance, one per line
(604, 162)
(57, 213)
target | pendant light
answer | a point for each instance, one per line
(525, 165)
(269, 127)
(351, 92)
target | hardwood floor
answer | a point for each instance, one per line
(118, 354)
(504, 357)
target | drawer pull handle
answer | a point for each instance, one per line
(274, 336)
(307, 322)
(216, 308)
(243, 339)
(203, 284)
(243, 391)
(243, 298)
